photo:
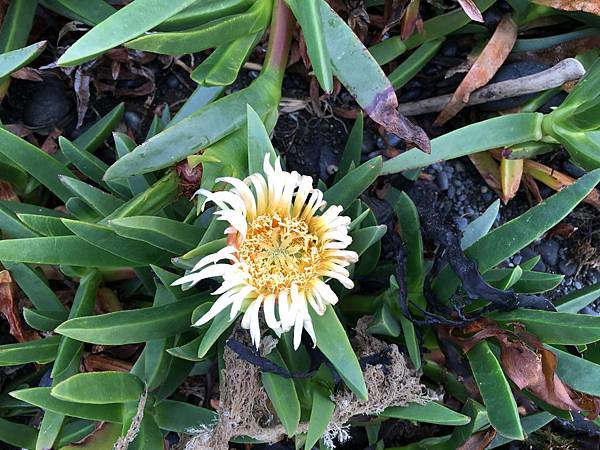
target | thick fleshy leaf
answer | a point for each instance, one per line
(170, 235)
(11, 61)
(133, 326)
(39, 164)
(369, 85)
(209, 35)
(127, 23)
(492, 133)
(181, 416)
(495, 390)
(430, 412)
(221, 68)
(41, 398)
(332, 340)
(308, 14)
(259, 143)
(105, 238)
(200, 129)
(283, 396)
(17, 434)
(99, 388)
(74, 251)
(480, 226)
(578, 299)
(555, 327)
(579, 373)
(354, 183)
(90, 12)
(40, 350)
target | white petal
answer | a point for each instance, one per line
(260, 186)
(298, 326)
(314, 299)
(285, 316)
(346, 282)
(222, 302)
(326, 292)
(216, 270)
(308, 326)
(244, 192)
(224, 253)
(269, 310)
(301, 194)
(235, 219)
(254, 322)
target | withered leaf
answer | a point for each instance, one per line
(487, 64)
(471, 10)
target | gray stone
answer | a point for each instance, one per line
(549, 251)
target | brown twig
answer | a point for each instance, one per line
(566, 70)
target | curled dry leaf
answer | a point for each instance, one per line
(557, 180)
(511, 171)
(471, 10)
(7, 192)
(489, 61)
(9, 309)
(589, 6)
(529, 365)
(383, 111)
(411, 20)
(479, 441)
(488, 169)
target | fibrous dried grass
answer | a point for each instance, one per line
(245, 408)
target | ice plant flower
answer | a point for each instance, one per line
(280, 252)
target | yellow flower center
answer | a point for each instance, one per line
(279, 252)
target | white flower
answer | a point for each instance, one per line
(280, 252)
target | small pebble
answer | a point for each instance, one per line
(567, 268)
(578, 285)
(461, 223)
(484, 189)
(460, 167)
(442, 181)
(132, 119)
(380, 143)
(487, 197)
(517, 259)
(392, 140)
(549, 251)
(451, 192)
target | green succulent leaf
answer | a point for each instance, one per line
(41, 398)
(430, 412)
(127, 23)
(332, 340)
(99, 388)
(495, 390)
(133, 326)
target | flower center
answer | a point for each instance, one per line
(279, 252)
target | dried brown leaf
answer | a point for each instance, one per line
(489, 170)
(589, 6)
(81, 84)
(529, 365)
(27, 73)
(7, 192)
(479, 441)
(383, 111)
(411, 20)
(489, 61)
(9, 309)
(471, 10)
(557, 180)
